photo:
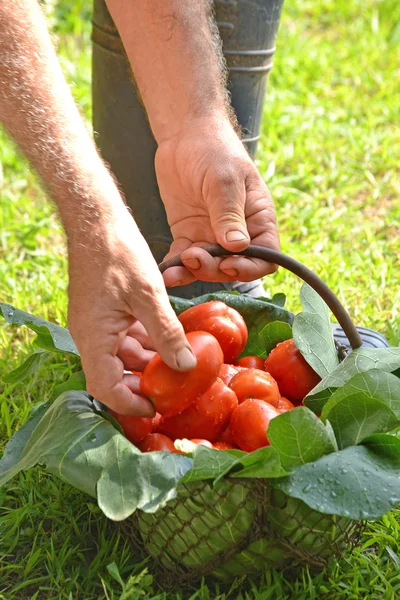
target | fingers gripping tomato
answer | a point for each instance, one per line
(253, 383)
(250, 423)
(293, 374)
(222, 321)
(173, 391)
(207, 417)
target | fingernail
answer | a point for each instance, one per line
(185, 359)
(192, 263)
(235, 236)
(231, 272)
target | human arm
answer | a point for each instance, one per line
(209, 185)
(113, 279)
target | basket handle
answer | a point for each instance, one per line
(273, 256)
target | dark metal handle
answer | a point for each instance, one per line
(273, 256)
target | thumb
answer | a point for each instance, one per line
(227, 215)
(167, 334)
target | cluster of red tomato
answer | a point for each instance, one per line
(222, 403)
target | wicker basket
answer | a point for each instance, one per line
(262, 528)
(259, 527)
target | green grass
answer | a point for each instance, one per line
(330, 153)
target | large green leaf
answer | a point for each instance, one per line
(299, 437)
(358, 482)
(368, 403)
(50, 336)
(358, 361)
(256, 313)
(82, 448)
(30, 366)
(312, 333)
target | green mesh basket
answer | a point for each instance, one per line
(236, 528)
(241, 527)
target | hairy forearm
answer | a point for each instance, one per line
(37, 108)
(175, 54)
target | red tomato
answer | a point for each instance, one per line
(253, 383)
(226, 436)
(250, 422)
(205, 443)
(293, 374)
(206, 417)
(222, 321)
(223, 446)
(134, 428)
(284, 404)
(251, 362)
(226, 373)
(156, 423)
(173, 391)
(157, 441)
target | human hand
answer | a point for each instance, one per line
(213, 193)
(119, 312)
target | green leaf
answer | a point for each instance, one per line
(30, 366)
(256, 313)
(278, 299)
(357, 482)
(331, 433)
(114, 572)
(133, 480)
(299, 437)
(384, 445)
(82, 448)
(76, 382)
(368, 403)
(358, 361)
(274, 333)
(262, 463)
(209, 463)
(50, 336)
(16, 446)
(357, 416)
(216, 464)
(312, 333)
